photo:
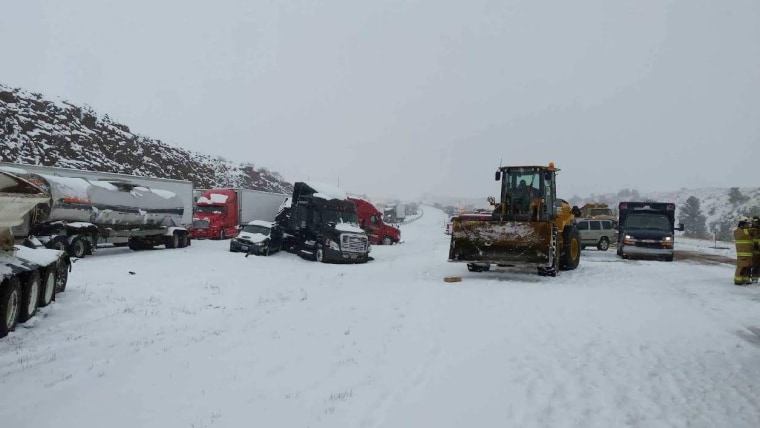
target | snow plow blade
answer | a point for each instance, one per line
(502, 242)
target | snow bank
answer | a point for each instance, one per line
(280, 341)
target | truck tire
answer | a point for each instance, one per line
(58, 243)
(47, 289)
(78, 247)
(171, 241)
(135, 244)
(604, 244)
(183, 240)
(30, 296)
(319, 254)
(10, 299)
(387, 240)
(61, 276)
(571, 246)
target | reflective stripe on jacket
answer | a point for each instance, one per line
(744, 242)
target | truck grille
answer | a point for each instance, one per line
(200, 224)
(353, 243)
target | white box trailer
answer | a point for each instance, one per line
(258, 205)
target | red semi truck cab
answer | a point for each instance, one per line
(371, 221)
(216, 215)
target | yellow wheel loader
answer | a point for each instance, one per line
(529, 226)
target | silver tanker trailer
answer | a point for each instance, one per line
(87, 212)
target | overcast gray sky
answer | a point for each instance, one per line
(400, 97)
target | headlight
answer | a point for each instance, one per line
(668, 238)
(332, 244)
(628, 237)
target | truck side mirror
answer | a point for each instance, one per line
(576, 211)
(498, 175)
(491, 200)
(680, 227)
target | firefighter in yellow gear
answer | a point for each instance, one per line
(755, 232)
(743, 238)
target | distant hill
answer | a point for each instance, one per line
(39, 131)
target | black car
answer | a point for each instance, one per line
(258, 237)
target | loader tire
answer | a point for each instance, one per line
(571, 249)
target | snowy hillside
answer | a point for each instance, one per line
(38, 131)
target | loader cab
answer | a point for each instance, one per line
(528, 193)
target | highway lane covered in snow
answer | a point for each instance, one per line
(202, 337)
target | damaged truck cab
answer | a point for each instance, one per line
(321, 224)
(529, 226)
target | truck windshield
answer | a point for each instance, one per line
(210, 209)
(250, 228)
(600, 211)
(340, 217)
(648, 221)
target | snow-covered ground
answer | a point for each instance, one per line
(201, 337)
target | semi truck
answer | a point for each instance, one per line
(88, 209)
(320, 223)
(530, 226)
(30, 276)
(219, 213)
(371, 221)
(647, 230)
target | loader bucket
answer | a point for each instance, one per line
(501, 242)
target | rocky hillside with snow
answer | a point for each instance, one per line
(35, 130)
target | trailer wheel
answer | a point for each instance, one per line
(571, 256)
(48, 287)
(59, 243)
(10, 299)
(171, 241)
(30, 296)
(78, 247)
(319, 254)
(135, 244)
(61, 276)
